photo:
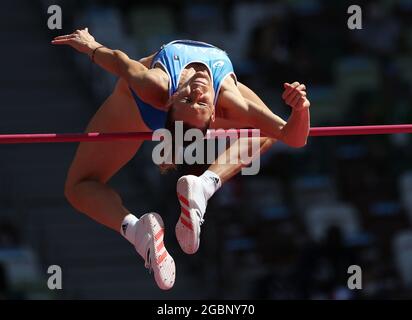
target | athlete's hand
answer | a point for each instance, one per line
(81, 40)
(295, 96)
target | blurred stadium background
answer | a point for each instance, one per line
(289, 233)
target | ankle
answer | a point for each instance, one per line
(211, 183)
(129, 228)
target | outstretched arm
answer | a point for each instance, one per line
(147, 83)
(113, 61)
(294, 132)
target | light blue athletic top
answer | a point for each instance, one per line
(174, 57)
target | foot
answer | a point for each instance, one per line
(193, 206)
(151, 247)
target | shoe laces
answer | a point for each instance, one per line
(200, 216)
(148, 261)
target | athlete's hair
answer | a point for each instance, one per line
(170, 125)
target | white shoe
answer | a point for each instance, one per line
(151, 248)
(191, 213)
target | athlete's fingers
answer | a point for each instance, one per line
(292, 92)
(67, 36)
(62, 41)
(294, 102)
(292, 97)
(296, 93)
(300, 89)
(289, 89)
(295, 84)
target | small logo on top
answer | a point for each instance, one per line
(218, 64)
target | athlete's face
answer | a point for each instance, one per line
(193, 102)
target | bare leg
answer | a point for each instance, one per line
(194, 192)
(93, 166)
(96, 162)
(228, 169)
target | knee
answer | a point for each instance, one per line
(79, 192)
(69, 192)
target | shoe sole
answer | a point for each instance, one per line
(163, 265)
(187, 233)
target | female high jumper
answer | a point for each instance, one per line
(187, 81)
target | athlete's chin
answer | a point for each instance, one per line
(202, 76)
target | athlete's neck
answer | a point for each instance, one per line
(190, 70)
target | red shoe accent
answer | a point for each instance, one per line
(162, 257)
(183, 199)
(185, 212)
(159, 234)
(160, 246)
(186, 223)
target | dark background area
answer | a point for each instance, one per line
(290, 232)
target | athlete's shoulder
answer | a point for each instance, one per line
(154, 87)
(147, 61)
(229, 83)
(228, 92)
